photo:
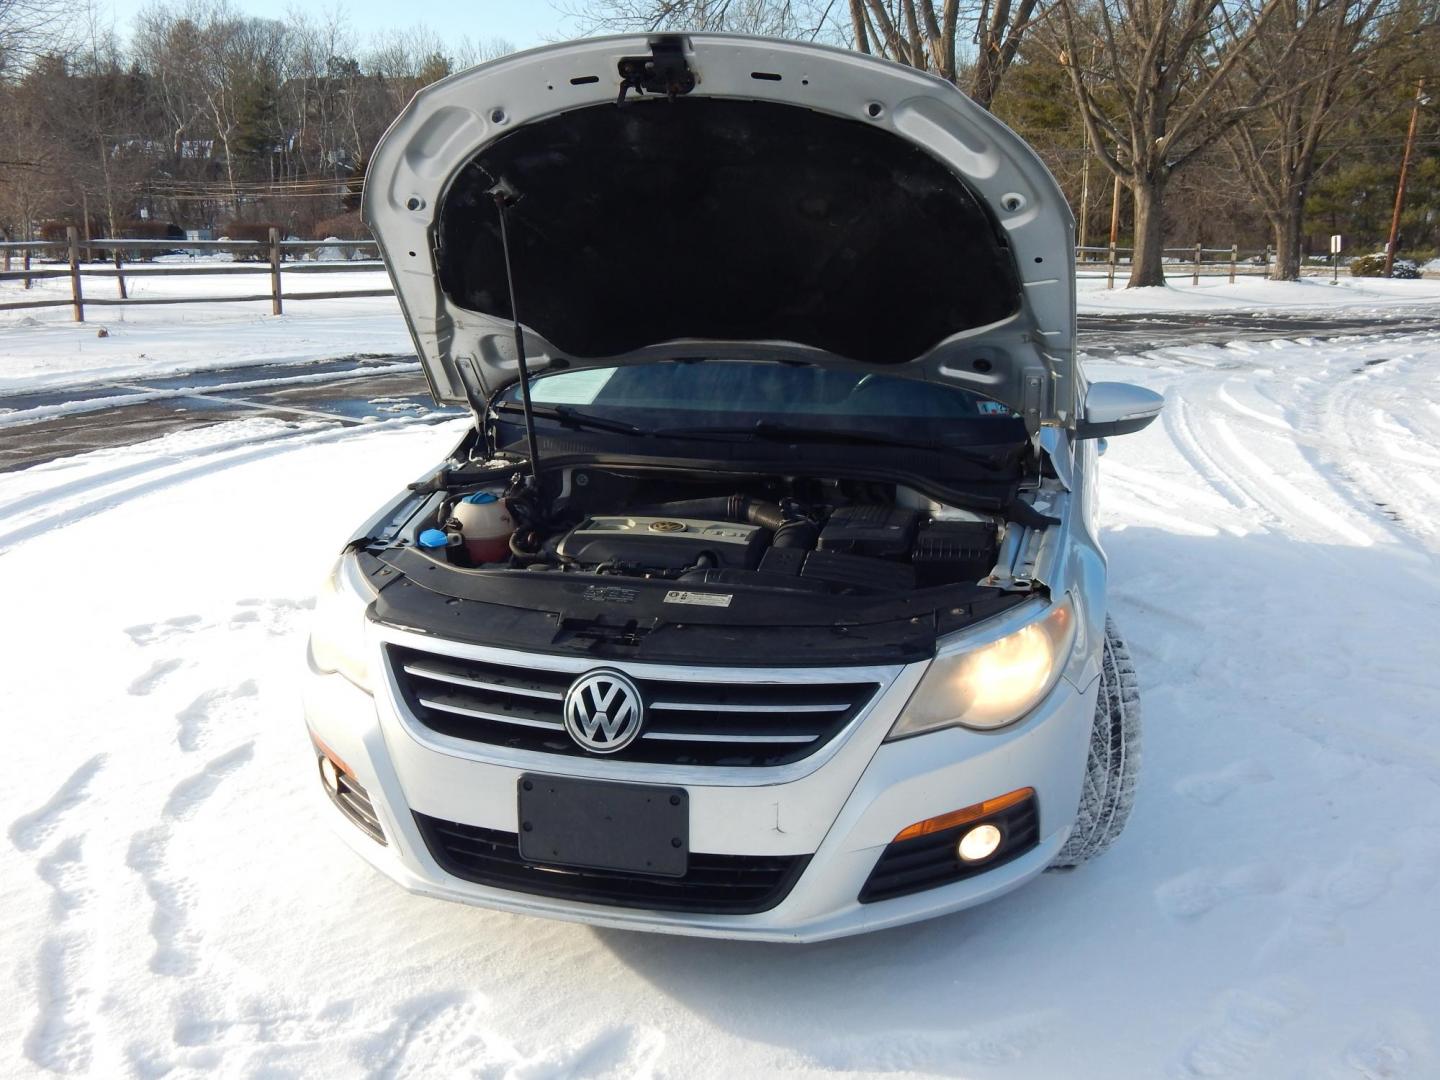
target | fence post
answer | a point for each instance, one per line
(72, 240)
(120, 276)
(1234, 258)
(1110, 279)
(276, 304)
(25, 264)
(1195, 276)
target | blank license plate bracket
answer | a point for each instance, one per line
(604, 825)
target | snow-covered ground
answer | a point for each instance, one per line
(1215, 296)
(175, 905)
(42, 348)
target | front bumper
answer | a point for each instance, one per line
(842, 813)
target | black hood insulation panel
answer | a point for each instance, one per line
(724, 219)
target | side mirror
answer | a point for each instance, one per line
(1117, 408)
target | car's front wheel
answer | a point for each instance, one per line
(1114, 760)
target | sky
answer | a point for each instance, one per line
(521, 22)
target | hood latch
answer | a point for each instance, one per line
(664, 71)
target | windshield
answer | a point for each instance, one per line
(675, 395)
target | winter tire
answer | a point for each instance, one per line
(1114, 760)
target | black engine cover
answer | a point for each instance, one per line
(662, 543)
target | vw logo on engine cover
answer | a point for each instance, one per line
(603, 711)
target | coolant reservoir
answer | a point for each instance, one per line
(486, 524)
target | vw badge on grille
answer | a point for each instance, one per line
(603, 711)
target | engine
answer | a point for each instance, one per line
(819, 536)
(662, 543)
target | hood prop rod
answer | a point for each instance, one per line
(505, 197)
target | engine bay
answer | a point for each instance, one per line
(820, 536)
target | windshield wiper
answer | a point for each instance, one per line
(572, 417)
(780, 431)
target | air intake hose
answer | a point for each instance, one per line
(789, 532)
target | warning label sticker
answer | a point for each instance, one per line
(703, 599)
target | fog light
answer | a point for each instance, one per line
(979, 843)
(329, 774)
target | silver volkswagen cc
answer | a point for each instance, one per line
(763, 599)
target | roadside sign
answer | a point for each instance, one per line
(1335, 244)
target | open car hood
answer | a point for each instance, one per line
(714, 195)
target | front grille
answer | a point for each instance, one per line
(713, 884)
(354, 803)
(911, 866)
(686, 723)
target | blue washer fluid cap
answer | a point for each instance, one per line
(433, 538)
(481, 497)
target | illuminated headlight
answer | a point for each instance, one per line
(337, 634)
(996, 683)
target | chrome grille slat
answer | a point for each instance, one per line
(481, 714)
(713, 707)
(480, 684)
(721, 720)
(726, 737)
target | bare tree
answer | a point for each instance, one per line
(931, 35)
(927, 35)
(1154, 81)
(1327, 47)
(798, 19)
(30, 29)
(30, 163)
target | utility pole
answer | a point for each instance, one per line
(1115, 212)
(1420, 99)
(1114, 232)
(1085, 179)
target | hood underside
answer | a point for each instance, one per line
(724, 220)
(799, 203)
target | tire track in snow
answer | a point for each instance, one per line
(89, 499)
(1384, 458)
(1225, 396)
(1181, 426)
(1264, 476)
(144, 467)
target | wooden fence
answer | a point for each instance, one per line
(1196, 261)
(62, 259)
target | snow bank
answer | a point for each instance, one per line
(175, 905)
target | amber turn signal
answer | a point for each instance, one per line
(965, 815)
(335, 759)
